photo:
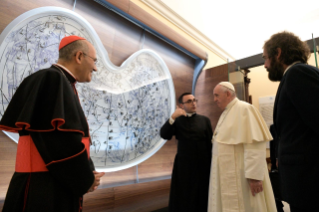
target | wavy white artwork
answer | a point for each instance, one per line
(125, 106)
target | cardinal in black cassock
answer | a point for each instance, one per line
(190, 178)
(53, 168)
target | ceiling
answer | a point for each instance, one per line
(241, 27)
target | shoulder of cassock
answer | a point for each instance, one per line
(243, 124)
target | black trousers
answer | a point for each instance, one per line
(275, 182)
(298, 209)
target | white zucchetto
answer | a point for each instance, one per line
(227, 85)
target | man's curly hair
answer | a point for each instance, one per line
(292, 48)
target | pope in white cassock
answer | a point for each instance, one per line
(239, 179)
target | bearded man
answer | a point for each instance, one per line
(296, 119)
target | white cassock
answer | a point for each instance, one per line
(239, 154)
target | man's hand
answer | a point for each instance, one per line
(256, 186)
(97, 179)
(178, 112)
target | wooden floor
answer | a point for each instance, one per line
(141, 197)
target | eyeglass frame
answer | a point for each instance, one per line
(190, 101)
(94, 59)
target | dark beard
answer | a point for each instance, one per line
(276, 71)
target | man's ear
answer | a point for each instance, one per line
(78, 57)
(180, 105)
(278, 53)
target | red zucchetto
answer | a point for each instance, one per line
(69, 39)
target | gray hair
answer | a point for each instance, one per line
(225, 89)
(69, 51)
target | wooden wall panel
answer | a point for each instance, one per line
(180, 65)
(142, 197)
(10, 9)
(160, 165)
(138, 13)
(206, 83)
(99, 200)
(8, 150)
(119, 36)
(123, 5)
(164, 30)
(152, 196)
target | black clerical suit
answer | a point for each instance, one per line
(273, 174)
(53, 169)
(296, 120)
(190, 177)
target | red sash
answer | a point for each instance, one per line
(29, 159)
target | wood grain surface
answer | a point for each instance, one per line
(206, 83)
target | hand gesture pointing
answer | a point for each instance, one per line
(178, 112)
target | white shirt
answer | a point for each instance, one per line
(67, 70)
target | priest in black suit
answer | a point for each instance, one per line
(296, 119)
(190, 178)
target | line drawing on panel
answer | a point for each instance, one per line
(125, 106)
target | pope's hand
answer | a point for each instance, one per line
(256, 186)
(178, 112)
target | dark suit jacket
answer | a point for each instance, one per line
(296, 120)
(273, 148)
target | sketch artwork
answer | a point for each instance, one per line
(125, 106)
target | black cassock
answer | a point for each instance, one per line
(190, 178)
(53, 169)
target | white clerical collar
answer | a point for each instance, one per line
(230, 104)
(290, 66)
(189, 114)
(67, 70)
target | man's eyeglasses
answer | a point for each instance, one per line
(94, 59)
(191, 101)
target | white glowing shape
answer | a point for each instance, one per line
(125, 106)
